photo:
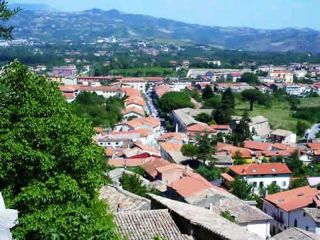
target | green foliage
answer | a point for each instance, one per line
(241, 131)
(299, 182)
(174, 100)
(204, 117)
(212, 102)
(209, 172)
(50, 169)
(254, 95)
(238, 159)
(207, 92)
(137, 170)
(228, 98)
(311, 114)
(206, 148)
(133, 183)
(241, 189)
(189, 150)
(249, 78)
(295, 165)
(5, 15)
(273, 188)
(227, 215)
(301, 128)
(222, 114)
(193, 94)
(101, 112)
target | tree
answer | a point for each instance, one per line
(222, 114)
(241, 131)
(301, 128)
(241, 189)
(174, 100)
(228, 99)
(209, 172)
(133, 184)
(50, 169)
(299, 182)
(295, 165)
(238, 159)
(206, 148)
(5, 15)
(252, 96)
(249, 78)
(189, 150)
(207, 92)
(273, 188)
(204, 117)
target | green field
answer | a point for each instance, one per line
(279, 115)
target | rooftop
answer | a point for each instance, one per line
(206, 219)
(281, 132)
(146, 225)
(260, 169)
(296, 234)
(293, 199)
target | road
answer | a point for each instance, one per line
(311, 133)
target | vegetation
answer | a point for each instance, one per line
(241, 131)
(174, 100)
(227, 215)
(132, 183)
(238, 159)
(253, 95)
(249, 78)
(273, 188)
(100, 112)
(204, 117)
(299, 182)
(209, 172)
(207, 92)
(241, 189)
(50, 169)
(5, 15)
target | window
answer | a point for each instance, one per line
(307, 228)
(284, 183)
(295, 223)
(304, 214)
(254, 184)
(261, 184)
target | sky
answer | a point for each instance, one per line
(265, 14)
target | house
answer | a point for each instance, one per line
(8, 219)
(224, 129)
(283, 136)
(136, 102)
(200, 223)
(185, 117)
(233, 151)
(172, 152)
(283, 76)
(120, 200)
(258, 125)
(295, 234)
(199, 129)
(161, 90)
(299, 90)
(244, 215)
(64, 71)
(260, 175)
(288, 209)
(146, 225)
(174, 137)
(150, 123)
(235, 87)
(133, 112)
(136, 83)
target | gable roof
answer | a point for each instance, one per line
(260, 169)
(293, 199)
(233, 150)
(145, 225)
(211, 222)
(261, 146)
(151, 167)
(296, 234)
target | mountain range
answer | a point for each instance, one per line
(44, 23)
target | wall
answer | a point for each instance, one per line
(260, 228)
(268, 179)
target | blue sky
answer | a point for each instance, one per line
(267, 14)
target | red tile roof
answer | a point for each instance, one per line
(260, 146)
(260, 169)
(293, 199)
(199, 128)
(133, 110)
(220, 127)
(314, 146)
(233, 150)
(151, 167)
(132, 162)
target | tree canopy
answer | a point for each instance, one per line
(174, 100)
(207, 92)
(5, 14)
(249, 78)
(50, 169)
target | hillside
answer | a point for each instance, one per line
(89, 25)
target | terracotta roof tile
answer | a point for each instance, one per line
(293, 199)
(260, 146)
(260, 169)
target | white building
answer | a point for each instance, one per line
(260, 175)
(283, 136)
(8, 219)
(292, 209)
(297, 90)
(283, 76)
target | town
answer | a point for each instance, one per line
(125, 126)
(189, 141)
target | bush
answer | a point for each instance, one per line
(132, 183)
(174, 100)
